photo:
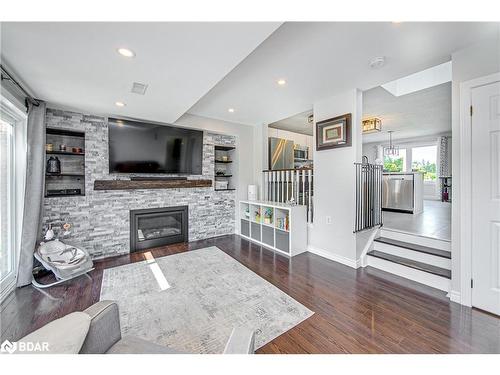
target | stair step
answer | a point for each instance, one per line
(416, 239)
(438, 271)
(412, 255)
(415, 247)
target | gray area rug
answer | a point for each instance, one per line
(191, 301)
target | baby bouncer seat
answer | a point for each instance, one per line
(65, 261)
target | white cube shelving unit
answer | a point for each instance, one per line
(278, 226)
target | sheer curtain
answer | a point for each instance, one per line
(33, 196)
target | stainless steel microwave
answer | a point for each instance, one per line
(301, 152)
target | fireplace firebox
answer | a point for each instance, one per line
(158, 227)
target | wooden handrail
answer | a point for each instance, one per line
(289, 169)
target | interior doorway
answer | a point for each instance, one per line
(409, 132)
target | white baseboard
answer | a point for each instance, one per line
(335, 257)
(454, 296)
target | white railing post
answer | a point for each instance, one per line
(303, 187)
(309, 193)
(286, 183)
(282, 186)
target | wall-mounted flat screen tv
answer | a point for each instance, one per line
(140, 147)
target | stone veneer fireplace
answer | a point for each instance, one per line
(156, 227)
(101, 219)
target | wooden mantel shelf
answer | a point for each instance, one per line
(149, 184)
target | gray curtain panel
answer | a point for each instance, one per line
(33, 195)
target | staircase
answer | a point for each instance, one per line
(421, 259)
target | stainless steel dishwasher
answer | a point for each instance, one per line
(397, 192)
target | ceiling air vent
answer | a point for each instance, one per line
(139, 88)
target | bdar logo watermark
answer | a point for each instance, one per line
(23, 347)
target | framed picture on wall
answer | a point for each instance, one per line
(334, 132)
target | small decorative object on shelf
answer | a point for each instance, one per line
(268, 215)
(53, 165)
(221, 185)
(257, 215)
(62, 147)
(252, 192)
(247, 213)
(283, 223)
(225, 158)
(49, 147)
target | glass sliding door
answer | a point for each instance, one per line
(12, 164)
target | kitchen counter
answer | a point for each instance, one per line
(403, 192)
(409, 173)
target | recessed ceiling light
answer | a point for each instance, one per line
(231, 110)
(126, 52)
(377, 62)
(281, 82)
(120, 104)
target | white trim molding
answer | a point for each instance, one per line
(465, 295)
(454, 296)
(353, 263)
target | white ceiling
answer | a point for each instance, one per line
(321, 59)
(422, 113)
(206, 68)
(76, 65)
(297, 124)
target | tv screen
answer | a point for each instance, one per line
(141, 147)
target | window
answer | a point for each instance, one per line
(424, 160)
(6, 225)
(12, 157)
(395, 163)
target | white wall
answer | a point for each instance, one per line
(244, 166)
(475, 61)
(334, 193)
(370, 151)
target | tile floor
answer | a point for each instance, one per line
(435, 221)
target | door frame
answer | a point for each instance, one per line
(466, 183)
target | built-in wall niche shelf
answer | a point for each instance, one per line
(70, 179)
(278, 226)
(223, 168)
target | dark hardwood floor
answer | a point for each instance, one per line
(356, 311)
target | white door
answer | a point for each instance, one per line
(486, 197)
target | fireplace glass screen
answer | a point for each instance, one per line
(157, 227)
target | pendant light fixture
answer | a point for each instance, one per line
(392, 150)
